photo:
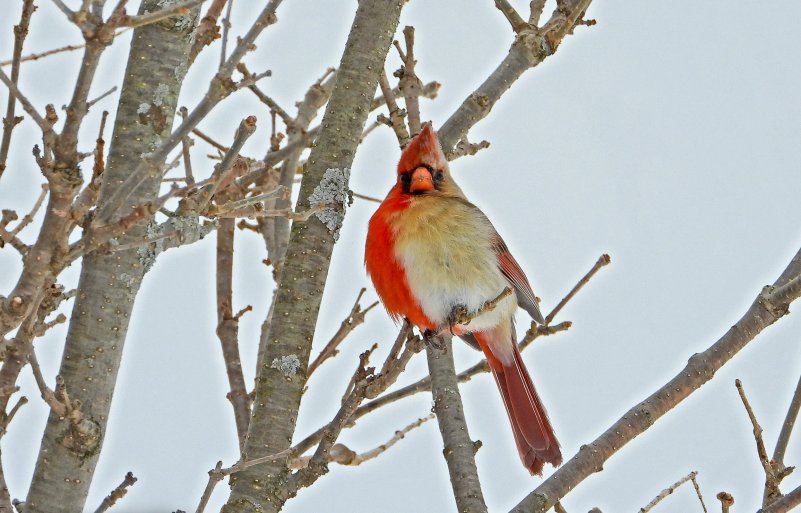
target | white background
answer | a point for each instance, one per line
(667, 135)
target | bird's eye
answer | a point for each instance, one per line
(438, 176)
(406, 178)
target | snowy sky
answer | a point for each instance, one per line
(667, 136)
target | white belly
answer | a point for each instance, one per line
(449, 261)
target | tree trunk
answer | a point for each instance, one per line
(109, 282)
(282, 370)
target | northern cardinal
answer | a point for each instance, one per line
(430, 252)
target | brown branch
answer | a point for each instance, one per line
(366, 198)
(531, 46)
(10, 120)
(87, 198)
(354, 318)
(667, 491)
(343, 455)
(209, 140)
(28, 219)
(465, 148)
(787, 427)
(784, 504)
(228, 329)
(768, 307)
(698, 493)
(187, 143)
(178, 9)
(117, 493)
(536, 8)
(207, 30)
(316, 465)
(726, 501)
(220, 87)
(409, 84)
(226, 23)
(511, 15)
(397, 116)
(602, 261)
(773, 477)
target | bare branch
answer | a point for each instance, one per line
(409, 84)
(784, 504)
(180, 9)
(28, 219)
(602, 261)
(208, 30)
(768, 307)
(511, 15)
(773, 477)
(354, 318)
(787, 427)
(530, 48)
(117, 493)
(10, 120)
(667, 491)
(343, 455)
(228, 329)
(397, 116)
(459, 450)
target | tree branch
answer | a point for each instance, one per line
(459, 450)
(768, 307)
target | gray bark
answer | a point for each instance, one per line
(109, 282)
(459, 450)
(282, 369)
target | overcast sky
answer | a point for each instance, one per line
(667, 136)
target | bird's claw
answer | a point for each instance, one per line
(459, 315)
(432, 340)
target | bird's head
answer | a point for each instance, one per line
(422, 168)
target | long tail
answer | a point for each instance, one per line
(533, 433)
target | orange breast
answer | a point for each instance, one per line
(388, 275)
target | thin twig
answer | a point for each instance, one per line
(354, 318)
(226, 24)
(228, 329)
(602, 261)
(343, 455)
(772, 480)
(186, 143)
(180, 9)
(698, 492)
(667, 491)
(28, 219)
(10, 120)
(117, 493)
(511, 15)
(787, 427)
(89, 104)
(409, 84)
(207, 30)
(396, 115)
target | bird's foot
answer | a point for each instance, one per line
(459, 315)
(434, 341)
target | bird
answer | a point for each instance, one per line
(432, 256)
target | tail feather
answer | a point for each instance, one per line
(532, 430)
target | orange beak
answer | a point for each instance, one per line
(421, 180)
